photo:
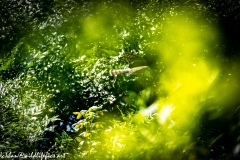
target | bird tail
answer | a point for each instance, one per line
(116, 72)
(135, 69)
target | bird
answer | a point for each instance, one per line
(134, 60)
(116, 72)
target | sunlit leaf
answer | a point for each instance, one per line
(79, 114)
(57, 140)
(87, 134)
(80, 125)
(78, 139)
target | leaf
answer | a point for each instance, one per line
(58, 136)
(56, 139)
(87, 134)
(99, 125)
(80, 125)
(37, 113)
(33, 118)
(2, 146)
(94, 108)
(81, 143)
(100, 113)
(51, 128)
(32, 105)
(78, 139)
(79, 114)
(64, 135)
(54, 118)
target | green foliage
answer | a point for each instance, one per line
(23, 122)
(62, 144)
(60, 65)
(88, 139)
(56, 73)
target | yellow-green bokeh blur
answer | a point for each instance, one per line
(191, 67)
(193, 73)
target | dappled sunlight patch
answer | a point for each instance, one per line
(165, 113)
